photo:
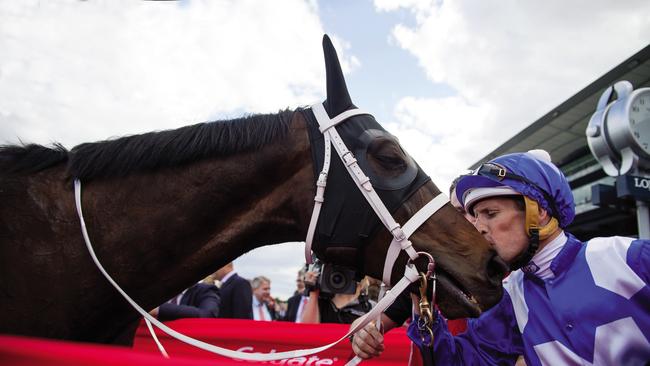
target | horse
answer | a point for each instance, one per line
(166, 208)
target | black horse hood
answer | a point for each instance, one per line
(346, 218)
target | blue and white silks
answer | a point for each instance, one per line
(591, 308)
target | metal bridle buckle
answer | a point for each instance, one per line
(426, 313)
(430, 267)
(426, 308)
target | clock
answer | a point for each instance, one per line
(618, 132)
(640, 119)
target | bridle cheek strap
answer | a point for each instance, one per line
(318, 199)
(325, 123)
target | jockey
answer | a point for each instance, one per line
(566, 302)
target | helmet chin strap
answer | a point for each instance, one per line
(535, 233)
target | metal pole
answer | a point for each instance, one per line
(643, 219)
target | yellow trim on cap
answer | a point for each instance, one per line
(532, 220)
(548, 229)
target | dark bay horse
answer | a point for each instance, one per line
(164, 209)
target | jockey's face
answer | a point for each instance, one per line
(501, 221)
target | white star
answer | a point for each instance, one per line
(620, 342)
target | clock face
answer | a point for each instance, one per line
(640, 120)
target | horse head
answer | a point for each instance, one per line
(350, 234)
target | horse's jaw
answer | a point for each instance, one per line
(454, 301)
(462, 294)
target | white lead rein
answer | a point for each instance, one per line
(410, 275)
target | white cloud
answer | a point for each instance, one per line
(509, 64)
(435, 132)
(81, 71)
(418, 7)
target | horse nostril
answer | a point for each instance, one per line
(496, 269)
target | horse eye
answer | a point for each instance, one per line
(391, 162)
(387, 156)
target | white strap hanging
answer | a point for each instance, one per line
(410, 275)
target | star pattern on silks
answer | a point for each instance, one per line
(567, 327)
(606, 348)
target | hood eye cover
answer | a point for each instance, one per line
(370, 143)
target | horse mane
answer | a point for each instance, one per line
(30, 158)
(150, 151)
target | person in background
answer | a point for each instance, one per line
(339, 308)
(199, 301)
(263, 306)
(300, 281)
(565, 301)
(211, 279)
(235, 294)
(296, 303)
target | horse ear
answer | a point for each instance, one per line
(338, 98)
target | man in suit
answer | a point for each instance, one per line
(236, 294)
(199, 301)
(263, 306)
(297, 302)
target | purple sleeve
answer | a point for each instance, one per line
(492, 339)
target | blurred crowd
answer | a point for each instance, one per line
(225, 294)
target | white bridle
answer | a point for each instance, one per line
(400, 242)
(400, 234)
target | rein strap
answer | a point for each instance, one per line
(410, 275)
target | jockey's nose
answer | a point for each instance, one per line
(479, 225)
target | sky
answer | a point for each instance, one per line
(452, 79)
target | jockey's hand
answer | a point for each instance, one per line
(368, 342)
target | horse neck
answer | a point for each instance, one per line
(189, 221)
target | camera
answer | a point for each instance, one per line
(337, 280)
(331, 278)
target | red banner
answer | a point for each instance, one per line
(256, 336)
(242, 335)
